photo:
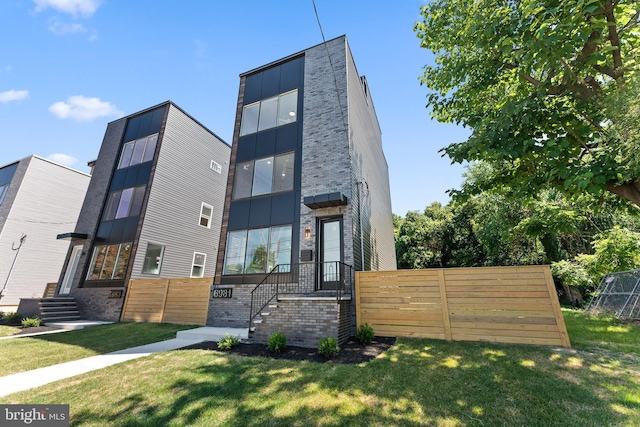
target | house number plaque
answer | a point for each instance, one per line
(221, 293)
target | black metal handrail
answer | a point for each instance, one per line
(332, 279)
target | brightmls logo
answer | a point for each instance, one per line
(35, 415)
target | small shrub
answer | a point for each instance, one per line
(13, 319)
(228, 342)
(30, 322)
(277, 342)
(328, 347)
(365, 333)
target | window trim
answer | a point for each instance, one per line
(160, 261)
(216, 167)
(202, 215)
(193, 264)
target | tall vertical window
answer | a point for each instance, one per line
(264, 176)
(205, 215)
(269, 113)
(125, 203)
(3, 192)
(138, 151)
(257, 250)
(153, 259)
(109, 262)
(197, 267)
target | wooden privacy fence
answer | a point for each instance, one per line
(183, 301)
(499, 304)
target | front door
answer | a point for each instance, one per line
(330, 253)
(71, 270)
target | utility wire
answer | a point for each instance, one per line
(335, 80)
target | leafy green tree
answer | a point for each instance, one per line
(422, 238)
(537, 82)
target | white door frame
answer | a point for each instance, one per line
(72, 266)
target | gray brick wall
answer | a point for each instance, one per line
(231, 312)
(326, 164)
(95, 304)
(305, 322)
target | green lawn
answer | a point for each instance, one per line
(5, 331)
(23, 354)
(415, 383)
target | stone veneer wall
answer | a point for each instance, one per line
(305, 321)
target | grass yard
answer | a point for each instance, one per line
(417, 382)
(23, 354)
(5, 331)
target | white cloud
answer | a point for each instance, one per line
(63, 159)
(82, 108)
(6, 69)
(76, 8)
(13, 95)
(60, 28)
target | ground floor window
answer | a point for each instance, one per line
(109, 262)
(153, 259)
(258, 250)
(197, 267)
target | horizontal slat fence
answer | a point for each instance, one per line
(499, 304)
(183, 301)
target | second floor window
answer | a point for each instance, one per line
(125, 203)
(138, 151)
(264, 176)
(269, 113)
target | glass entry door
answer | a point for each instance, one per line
(330, 253)
(71, 269)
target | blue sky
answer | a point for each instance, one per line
(68, 67)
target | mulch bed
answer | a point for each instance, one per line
(351, 352)
(35, 329)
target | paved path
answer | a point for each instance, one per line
(37, 377)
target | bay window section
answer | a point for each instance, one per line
(243, 180)
(283, 173)
(109, 262)
(257, 251)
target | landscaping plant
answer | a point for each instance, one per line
(228, 342)
(277, 342)
(30, 322)
(13, 319)
(365, 333)
(328, 347)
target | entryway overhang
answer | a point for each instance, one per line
(327, 200)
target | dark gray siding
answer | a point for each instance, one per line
(371, 201)
(43, 201)
(182, 180)
(89, 219)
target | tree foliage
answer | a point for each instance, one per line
(539, 83)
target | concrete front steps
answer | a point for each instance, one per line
(208, 333)
(58, 309)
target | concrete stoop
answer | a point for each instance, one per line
(208, 333)
(70, 325)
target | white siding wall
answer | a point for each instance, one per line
(45, 201)
(183, 180)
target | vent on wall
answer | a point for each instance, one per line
(217, 167)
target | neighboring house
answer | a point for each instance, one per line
(153, 209)
(38, 200)
(307, 199)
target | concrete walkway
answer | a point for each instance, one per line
(38, 377)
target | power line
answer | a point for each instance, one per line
(335, 80)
